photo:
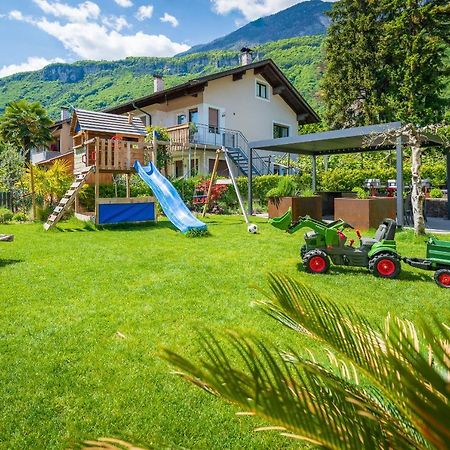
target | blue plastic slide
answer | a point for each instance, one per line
(169, 199)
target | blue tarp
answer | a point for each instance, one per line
(126, 212)
(169, 199)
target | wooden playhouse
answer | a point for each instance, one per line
(106, 144)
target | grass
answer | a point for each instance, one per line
(84, 314)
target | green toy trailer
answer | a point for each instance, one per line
(437, 259)
(327, 243)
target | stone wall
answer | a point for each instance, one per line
(436, 207)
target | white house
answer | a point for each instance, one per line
(254, 101)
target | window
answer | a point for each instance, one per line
(280, 131)
(262, 90)
(193, 115)
(213, 120)
(181, 119)
(146, 120)
(179, 169)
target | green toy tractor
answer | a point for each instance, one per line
(327, 243)
(437, 259)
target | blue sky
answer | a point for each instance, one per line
(34, 33)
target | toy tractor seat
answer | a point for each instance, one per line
(385, 232)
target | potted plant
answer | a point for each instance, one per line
(363, 211)
(302, 202)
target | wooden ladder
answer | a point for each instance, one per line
(69, 197)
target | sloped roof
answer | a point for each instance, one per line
(266, 68)
(106, 123)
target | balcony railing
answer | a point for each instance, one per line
(207, 135)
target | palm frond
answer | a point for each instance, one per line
(402, 402)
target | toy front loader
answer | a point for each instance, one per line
(327, 243)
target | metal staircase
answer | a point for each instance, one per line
(69, 197)
(240, 159)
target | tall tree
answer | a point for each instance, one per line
(412, 49)
(385, 61)
(26, 125)
(352, 77)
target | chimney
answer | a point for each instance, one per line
(65, 113)
(246, 56)
(158, 83)
(130, 118)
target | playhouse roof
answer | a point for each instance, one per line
(83, 120)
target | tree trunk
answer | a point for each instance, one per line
(417, 194)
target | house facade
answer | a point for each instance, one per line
(254, 101)
(251, 102)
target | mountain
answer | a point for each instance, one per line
(303, 19)
(99, 84)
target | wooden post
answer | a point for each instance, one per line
(97, 179)
(127, 184)
(213, 175)
(155, 149)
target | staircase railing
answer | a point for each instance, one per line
(216, 136)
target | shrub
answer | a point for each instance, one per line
(20, 217)
(361, 193)
(42, 212)
(286, 188)
(6, 215)
(436, 193)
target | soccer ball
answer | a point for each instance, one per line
(252, 228)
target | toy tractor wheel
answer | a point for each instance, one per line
(316, 261)
(385, 265)
(303, 251)
(442, 278)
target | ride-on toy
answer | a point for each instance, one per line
(328, 243)
(437, 259)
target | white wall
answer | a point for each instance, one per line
(240, 108)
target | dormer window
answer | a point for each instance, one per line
(262, 90)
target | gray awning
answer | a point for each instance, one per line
(347, 140)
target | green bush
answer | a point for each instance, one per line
(435, 172)
(343, 179)
(436, 193)
(361, 193)
(286, 187)
(20, 217)
(42, 212)
(6, 215)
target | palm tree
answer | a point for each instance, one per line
(26, 125)
(383, 388)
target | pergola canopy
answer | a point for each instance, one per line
(348, 140)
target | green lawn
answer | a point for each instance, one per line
(84, 313)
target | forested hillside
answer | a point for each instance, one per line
(99, 84)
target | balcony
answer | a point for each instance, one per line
(204, 135)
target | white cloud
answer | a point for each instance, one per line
(32, 63)
(81, 13)
(144, 12)
(169, 19)
(98, 42)
(124, 3)
(253, 9)
(115, 22)
(16, 15)
(102, 39)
